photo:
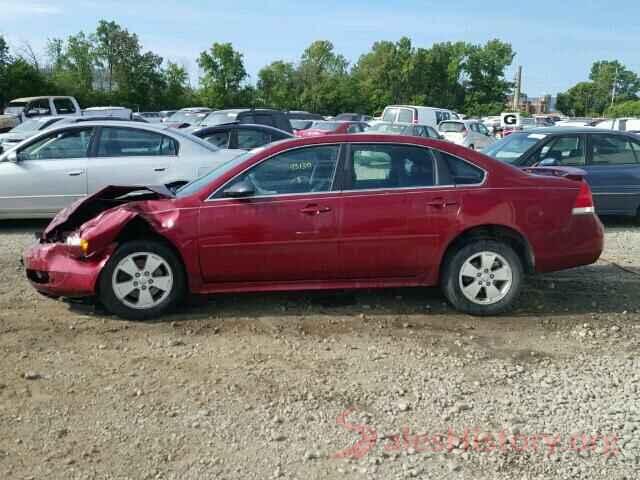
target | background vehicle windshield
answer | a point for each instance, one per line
(200, 183)
(510, 148)
(325, 126)
(28, 126)
(15, 108)
(451, 127)
(185, 117)
(218, 118)
(388, 128)
(301, 124)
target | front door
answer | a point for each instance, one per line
(613, 172)
(392, 212)
(51, 173)
(286, 231)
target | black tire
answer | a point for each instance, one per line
(472, 147)
(451, 278)
(175, 294)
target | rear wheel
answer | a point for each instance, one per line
(472, 147)
(142, 280)
(483, 278)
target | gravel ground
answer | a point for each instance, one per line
(279, 386)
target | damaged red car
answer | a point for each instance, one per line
(335, 212)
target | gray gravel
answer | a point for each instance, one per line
(278, 386)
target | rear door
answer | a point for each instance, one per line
(392, 212)
(131, 156)
(51, 173)
(613, 172)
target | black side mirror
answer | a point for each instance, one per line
(240, 190)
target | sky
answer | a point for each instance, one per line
(555, 41)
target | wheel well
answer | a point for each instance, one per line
(139, 229)
(494, 232)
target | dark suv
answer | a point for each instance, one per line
(610, 158)
(254, 116)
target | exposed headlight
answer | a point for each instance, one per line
(74, 240)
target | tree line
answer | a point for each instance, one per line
(110, 67)
(612, 90)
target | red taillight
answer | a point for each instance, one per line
(415, 118)
(584, 200)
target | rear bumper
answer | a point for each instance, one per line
(580, 243)
(55, 272)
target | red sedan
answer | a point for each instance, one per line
(346, 211)
(320, 128)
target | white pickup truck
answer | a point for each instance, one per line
(21, 109)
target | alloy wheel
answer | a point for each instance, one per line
(485, 278)
(142, 280)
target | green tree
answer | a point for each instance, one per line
(279, 86)
(323, 75)
(223, 75)
(485, 84)
(177, 92)
(630, 108)
(580, 100)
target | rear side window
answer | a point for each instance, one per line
(405, 116)
(390, 166)
(129, 142)
(455, 127)
(613, 150)
(64, 106)
(456, 171)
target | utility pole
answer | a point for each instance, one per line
(518, 90)
(613, 90)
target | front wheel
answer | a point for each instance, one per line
(483, 278)
(142, 280)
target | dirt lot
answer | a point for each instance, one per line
(253, 386)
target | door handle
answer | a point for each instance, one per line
(440, 203)
(75, 173)
(314, 210)
(160, 169)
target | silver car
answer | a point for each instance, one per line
(47, 172)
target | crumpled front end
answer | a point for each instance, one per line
(73, 249)
(55, 270)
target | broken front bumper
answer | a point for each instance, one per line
(54, 270)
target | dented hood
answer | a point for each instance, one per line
(89, 207)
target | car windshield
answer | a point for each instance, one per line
(200, 183)
(511, 148)
(456, 127)
(185, 117)
(325, 126)
(28, 126)
(301, 124)
(15, 108)
(388, 128)
(218, 118)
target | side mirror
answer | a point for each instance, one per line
(240, 190)
(547, 162)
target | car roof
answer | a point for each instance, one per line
(120, 123)
(243, 126)
(566, 130)
(29, 99)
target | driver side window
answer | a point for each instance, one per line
(303, 170)
(64, 144)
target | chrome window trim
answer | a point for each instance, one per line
(333, 180)
(331, 191)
